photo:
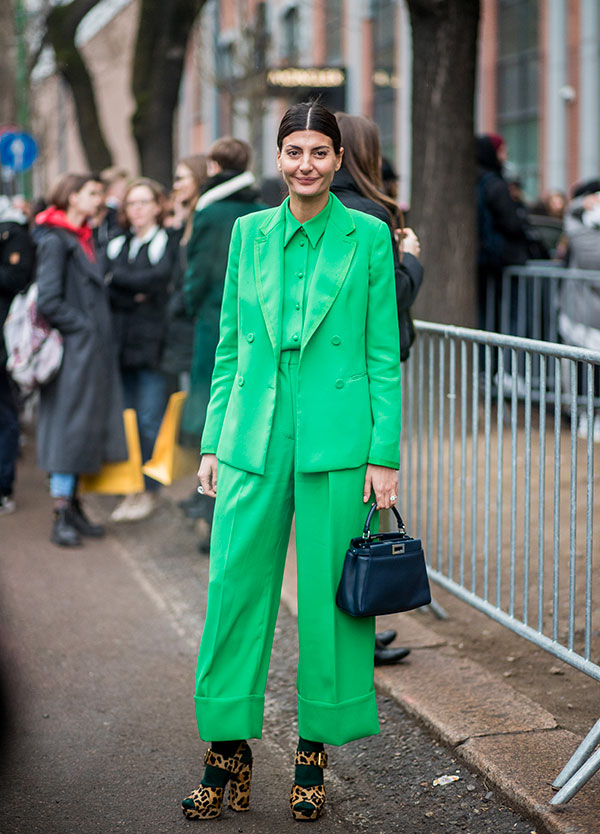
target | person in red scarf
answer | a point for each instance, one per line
(80, 424)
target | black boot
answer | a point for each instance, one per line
(81, 522)
(385, 656)
(385, 637)
(64, 533)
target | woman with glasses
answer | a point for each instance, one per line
(140, 265)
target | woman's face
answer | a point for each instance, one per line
(141, 208)
(184, 184)
(87, 200)
(307, 162)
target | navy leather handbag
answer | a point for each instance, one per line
(383, 573)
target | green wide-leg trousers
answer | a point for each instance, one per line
(251, 528)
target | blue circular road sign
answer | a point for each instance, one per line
(18, 151)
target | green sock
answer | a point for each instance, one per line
(308, 775)
(214, 777)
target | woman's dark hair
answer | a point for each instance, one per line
(486, 154)
(309, 115)
(362, 160)
(69, 184)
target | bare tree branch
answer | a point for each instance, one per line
(61, 27)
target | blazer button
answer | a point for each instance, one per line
(335, 340)
(339, 383)
(240, 381)
(250, 337)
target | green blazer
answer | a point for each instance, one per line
(348, 399)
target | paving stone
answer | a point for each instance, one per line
(523, 767)
(457, 698)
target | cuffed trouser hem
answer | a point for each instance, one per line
(338, 723)
(229, 719)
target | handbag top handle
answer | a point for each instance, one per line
(367, 527)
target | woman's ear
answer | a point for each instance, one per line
(340, 156)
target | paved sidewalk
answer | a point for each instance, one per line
(99, 733)
(513, 741)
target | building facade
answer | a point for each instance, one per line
(539, 87)
(538, 82)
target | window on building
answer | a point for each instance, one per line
(334, 16)
(518, 90)
(225, 63)
(384, 73)
(291, 35)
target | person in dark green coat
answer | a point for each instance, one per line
(229, 194)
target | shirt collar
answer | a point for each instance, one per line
(314, 227)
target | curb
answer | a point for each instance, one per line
(510, 739)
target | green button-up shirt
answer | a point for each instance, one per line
(301, 248)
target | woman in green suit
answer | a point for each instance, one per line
(304, 418)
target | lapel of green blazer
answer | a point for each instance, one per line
(268, 272)
(335, 257)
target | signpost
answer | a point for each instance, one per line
(18, 152)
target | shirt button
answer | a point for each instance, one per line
(335, 340)
(300, 275)
(339, 383)
(297, 306)
(295, 337)
(250, 337)
(302, 242)
(240, 381)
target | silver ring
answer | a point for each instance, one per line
(393, 497)
(201, 489)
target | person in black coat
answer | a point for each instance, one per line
(16, 270)
(140, 266)
(502, 232)
(358, 185)
(80, 424)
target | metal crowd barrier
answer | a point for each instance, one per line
(527, 301)
(490, 480)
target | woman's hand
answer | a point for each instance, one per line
(408, 242)
(207, 475)
(383, 481)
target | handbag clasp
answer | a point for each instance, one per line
(397, 548)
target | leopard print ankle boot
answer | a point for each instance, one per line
(307, 803)
(206, 802)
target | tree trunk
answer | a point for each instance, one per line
(160, 48)
(8, 103)
(443, 207)
(62, 25)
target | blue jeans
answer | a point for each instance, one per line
(62, 484)
(145, 390)
(9, 433)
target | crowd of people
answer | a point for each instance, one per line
(508, 236)
(132, 278)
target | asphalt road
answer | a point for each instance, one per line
(102, 643)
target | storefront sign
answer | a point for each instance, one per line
(293, 77)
